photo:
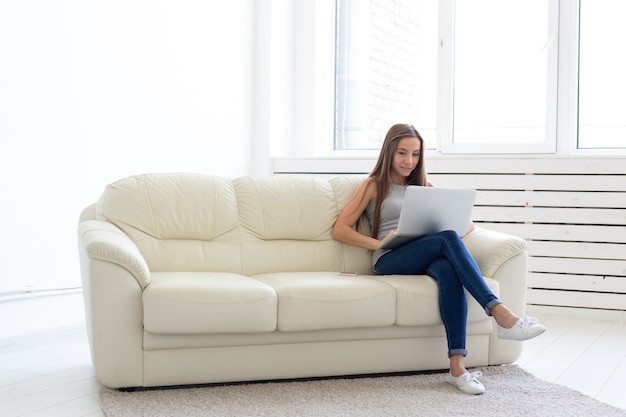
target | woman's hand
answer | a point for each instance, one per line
(389, 234)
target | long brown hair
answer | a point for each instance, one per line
(382, 170)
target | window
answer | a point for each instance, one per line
(503, 59)
(386, 70)
(602, 84)
(481, 76)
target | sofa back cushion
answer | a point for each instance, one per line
(179, 222)
(286, 208)
(287, 223)
(249, 225)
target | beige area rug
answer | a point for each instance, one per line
(511, 391)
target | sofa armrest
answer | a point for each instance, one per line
(104, 241)
(503, 258)
(491, 249)
(113, 275)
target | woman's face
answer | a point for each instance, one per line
(405, 159)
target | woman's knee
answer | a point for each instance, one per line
(449, 235)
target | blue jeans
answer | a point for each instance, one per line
(444, 257)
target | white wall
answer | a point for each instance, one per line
(92, 91)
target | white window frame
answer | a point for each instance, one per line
(445, 105)
(313, 134)
(567, 116)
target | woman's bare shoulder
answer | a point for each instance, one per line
(368, 188)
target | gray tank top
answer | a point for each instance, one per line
(389, 215)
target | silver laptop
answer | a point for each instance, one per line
(427, 210)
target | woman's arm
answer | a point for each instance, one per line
(344, 230)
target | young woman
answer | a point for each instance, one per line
(442, 256)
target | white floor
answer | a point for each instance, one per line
(47, 372)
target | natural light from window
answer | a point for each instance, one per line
(386, 70)
(482, 76)
(602, 83)
(500, 71)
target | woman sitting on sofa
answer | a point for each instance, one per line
(442, 256)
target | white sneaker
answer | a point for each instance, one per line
(468, 383)
(525, 329)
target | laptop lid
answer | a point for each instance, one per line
(427, 210)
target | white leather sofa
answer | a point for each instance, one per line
(192, 279)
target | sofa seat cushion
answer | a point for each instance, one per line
(418, 300)
(327, 300)
(208, 302)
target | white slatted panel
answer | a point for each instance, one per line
(572, 212)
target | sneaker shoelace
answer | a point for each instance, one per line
(527, 322)
(472, 376)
